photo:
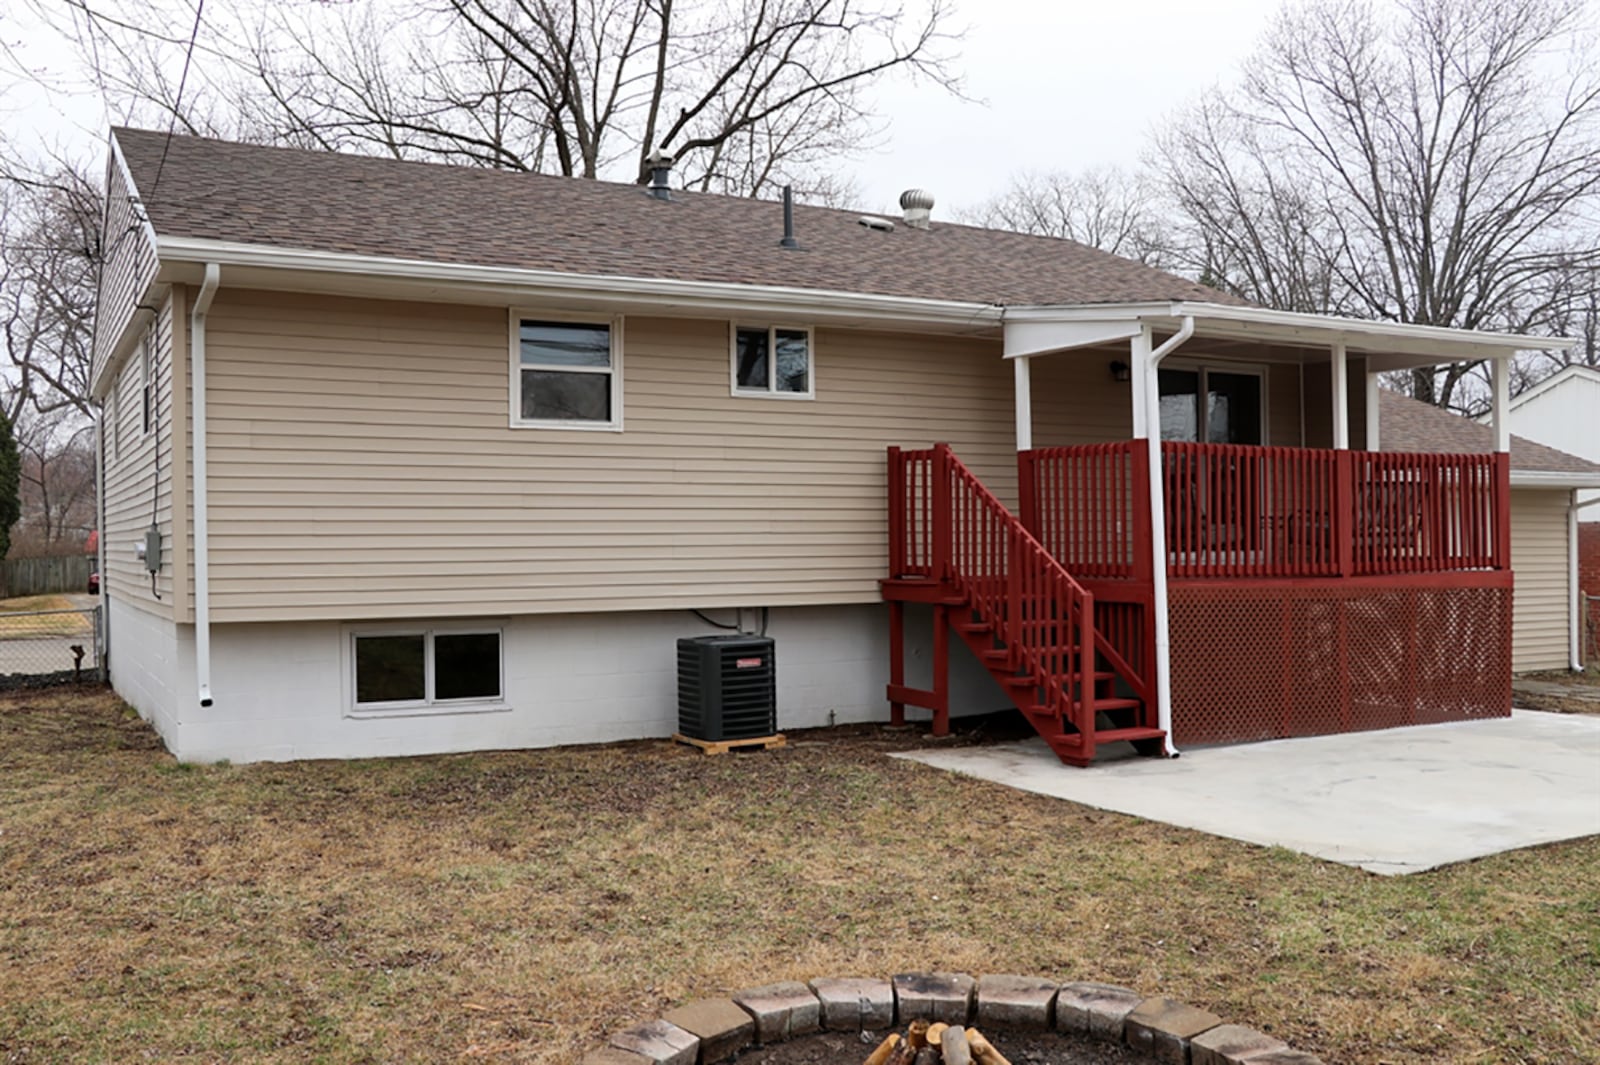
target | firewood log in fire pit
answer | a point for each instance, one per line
(936, 1044)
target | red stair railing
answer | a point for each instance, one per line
(946, 525)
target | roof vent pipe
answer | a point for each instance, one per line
(918, 206)
(788, 240)
(659, 163)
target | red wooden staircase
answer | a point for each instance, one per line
(955, 546)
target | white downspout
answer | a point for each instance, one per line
(104, 635)
(1374, 402)
(1147, 363)
(202, 560)
(1575, 625)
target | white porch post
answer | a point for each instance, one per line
(1502, 404)
(1373, 403)
(1147, 387)
(1024, 391)
(1341, 399)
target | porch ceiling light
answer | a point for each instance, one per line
(1119, 371)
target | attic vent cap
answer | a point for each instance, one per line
(659, 163)
(880, 224)
(918, 207)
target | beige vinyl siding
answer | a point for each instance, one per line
(1541, 605)
(138, 485)
(130, 265)
(362, 466)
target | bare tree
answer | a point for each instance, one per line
(746, 96)
(50, 255)
(1429, 161)
(56, 483)
(1104, 207)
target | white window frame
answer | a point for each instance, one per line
(112, 412)
(427, 705)
(1199, 364)
(147, 388)
(771, 391)
(612, 323)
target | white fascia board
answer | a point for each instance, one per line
(449, 281)
(133, 193)
(1297, 328)
(1037, 338)
(1553, 479)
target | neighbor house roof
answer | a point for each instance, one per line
(363, 205)
(1406, 424)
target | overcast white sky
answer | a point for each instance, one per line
(1060, 84)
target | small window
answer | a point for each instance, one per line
(408, 670)
(566, 375)
(772, 361)
(146, 386)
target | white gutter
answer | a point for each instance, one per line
(1553, 479)
(104, 635)
(1158, 516)
(526, 283)
(202, 560)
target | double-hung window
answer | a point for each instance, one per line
(774, 361)
(566, 374)
(426, 668)
(147, 385)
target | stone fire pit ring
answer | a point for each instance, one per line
(719, 1029)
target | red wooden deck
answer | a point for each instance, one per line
(1309, 590)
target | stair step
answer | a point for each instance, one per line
(973, 628)
(1116, 704)
(1112, 735)
(1031, 682)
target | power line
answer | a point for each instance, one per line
(177, 104)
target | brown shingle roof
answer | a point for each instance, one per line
(1408, 425)
(371, 206)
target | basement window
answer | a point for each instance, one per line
(773, 361)
(426, 669)
(566, 374)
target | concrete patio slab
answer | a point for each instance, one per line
(1398, 801)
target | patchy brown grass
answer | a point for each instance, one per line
(1580, 692)
(515, 906)
(12, 628)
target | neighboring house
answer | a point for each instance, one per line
(1545, 542)
(403, 458)
(1563, 412)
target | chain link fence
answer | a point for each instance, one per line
(39, 648)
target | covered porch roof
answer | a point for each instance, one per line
(1294, 336)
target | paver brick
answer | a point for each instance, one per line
(781, 1011)
(1020, 1002)
(722, 1027)
(613, 1056)
(943, 997)
(851, 1004)
(1098, 1009)
(1162, 1027)
(1231, 1044)
(659, 1041)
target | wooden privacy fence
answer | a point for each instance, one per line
(46, 576)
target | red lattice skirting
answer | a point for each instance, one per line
(1268, 659)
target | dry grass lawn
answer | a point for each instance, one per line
(12, 628)
(513, 907)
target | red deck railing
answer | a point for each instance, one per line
(1240, 511)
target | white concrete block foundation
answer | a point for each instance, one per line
(282, 690)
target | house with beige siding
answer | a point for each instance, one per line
(405, 458)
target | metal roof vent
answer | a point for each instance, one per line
(918, 206)
(883, 225)
(659, 163)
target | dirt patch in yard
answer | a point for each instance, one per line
(1559, 691)
(519, 906)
